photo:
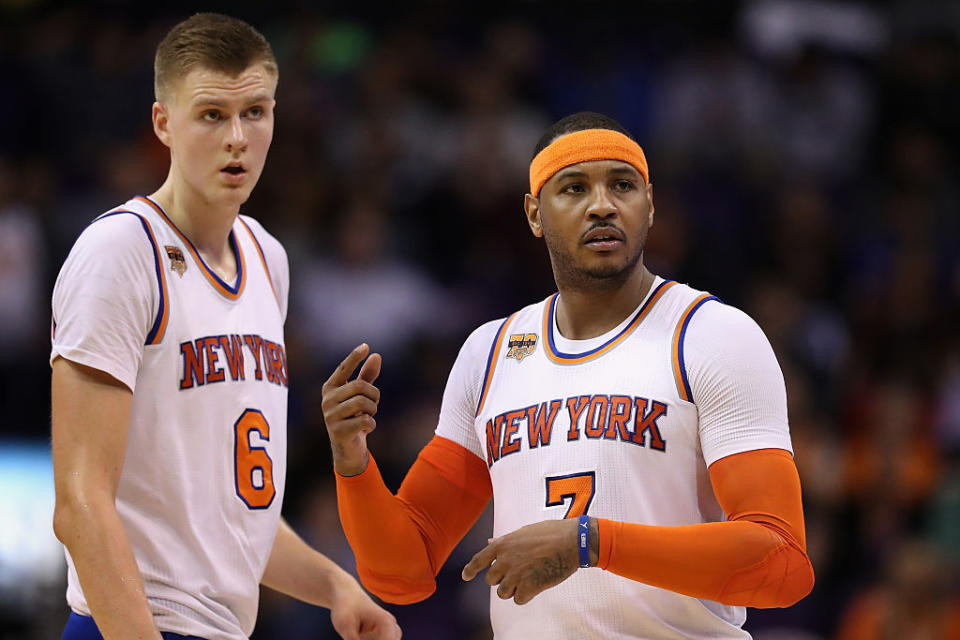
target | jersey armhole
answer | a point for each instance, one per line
(678, 364)
(159, 327)
(492, 362)
(263, 261)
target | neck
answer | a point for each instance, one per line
(584, 313)
(206, 224)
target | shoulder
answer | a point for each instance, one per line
(722, 324)
(116, 241)
(271, 247)
(485, 337)
(724, 348)
(481, 340)
(116, 230)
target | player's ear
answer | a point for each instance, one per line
(650, 202)
(161, 122)
(531, 206)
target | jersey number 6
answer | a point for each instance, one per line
(579, 487)
(252, 467)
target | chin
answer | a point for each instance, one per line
(234, 196)
(606, 268)
(610, 269)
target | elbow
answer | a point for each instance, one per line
(75, 511)
(783, 580)
(396, 589)
(64, 520)
(797, 586)
(794, 586)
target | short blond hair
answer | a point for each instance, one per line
(213, 41)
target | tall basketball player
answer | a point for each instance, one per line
(170, 378)
(631, 430)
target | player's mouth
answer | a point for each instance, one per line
(234, 172)
(605, 238)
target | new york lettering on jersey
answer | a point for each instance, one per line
(218, 358)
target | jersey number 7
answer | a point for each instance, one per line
(578, 487)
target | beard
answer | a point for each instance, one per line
(569, 273)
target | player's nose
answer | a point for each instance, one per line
(601, 203)
(237, 136)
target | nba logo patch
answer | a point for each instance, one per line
(177, 262)
(521, 345)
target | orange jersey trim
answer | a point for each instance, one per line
(231, 293)
(755, 559)
(492, 362)
(263, 260)
(679, 367)
(559, 357)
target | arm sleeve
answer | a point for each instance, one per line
(736, 383)
(105, 298)
(401, 541)
(757, 558)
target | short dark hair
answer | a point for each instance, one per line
(579, 121)
(210, 40)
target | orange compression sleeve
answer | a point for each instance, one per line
(402, 540)
(757, 558)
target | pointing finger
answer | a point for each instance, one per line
(342, 373)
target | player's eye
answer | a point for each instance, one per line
(210, 116)
(574, 187)
(623, 185)
(255, 113)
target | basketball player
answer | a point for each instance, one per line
(631, 430)
(169, 383)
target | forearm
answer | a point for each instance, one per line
(392, 557)
(737, 563)
(108, 572)
(90, 418)
(757, 558)
(402, 541)
(298, 570)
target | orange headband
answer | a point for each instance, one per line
(585, 146)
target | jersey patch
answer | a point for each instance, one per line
(177, 261)
(521, 345)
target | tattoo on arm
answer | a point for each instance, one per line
(551, 570)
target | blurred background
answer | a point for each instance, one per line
(804, 156)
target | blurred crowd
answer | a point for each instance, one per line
(804, 157)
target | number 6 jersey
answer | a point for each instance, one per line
(203, 476)
(623, 427)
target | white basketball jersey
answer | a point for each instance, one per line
(203, 478)
(612, 431)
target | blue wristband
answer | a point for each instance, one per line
(583, 540)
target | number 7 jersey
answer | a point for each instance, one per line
(623, 427)
(203, 477)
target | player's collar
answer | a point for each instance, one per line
(559, 357)
(231, 292)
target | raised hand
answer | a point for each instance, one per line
(349, 407)
(529, 560)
